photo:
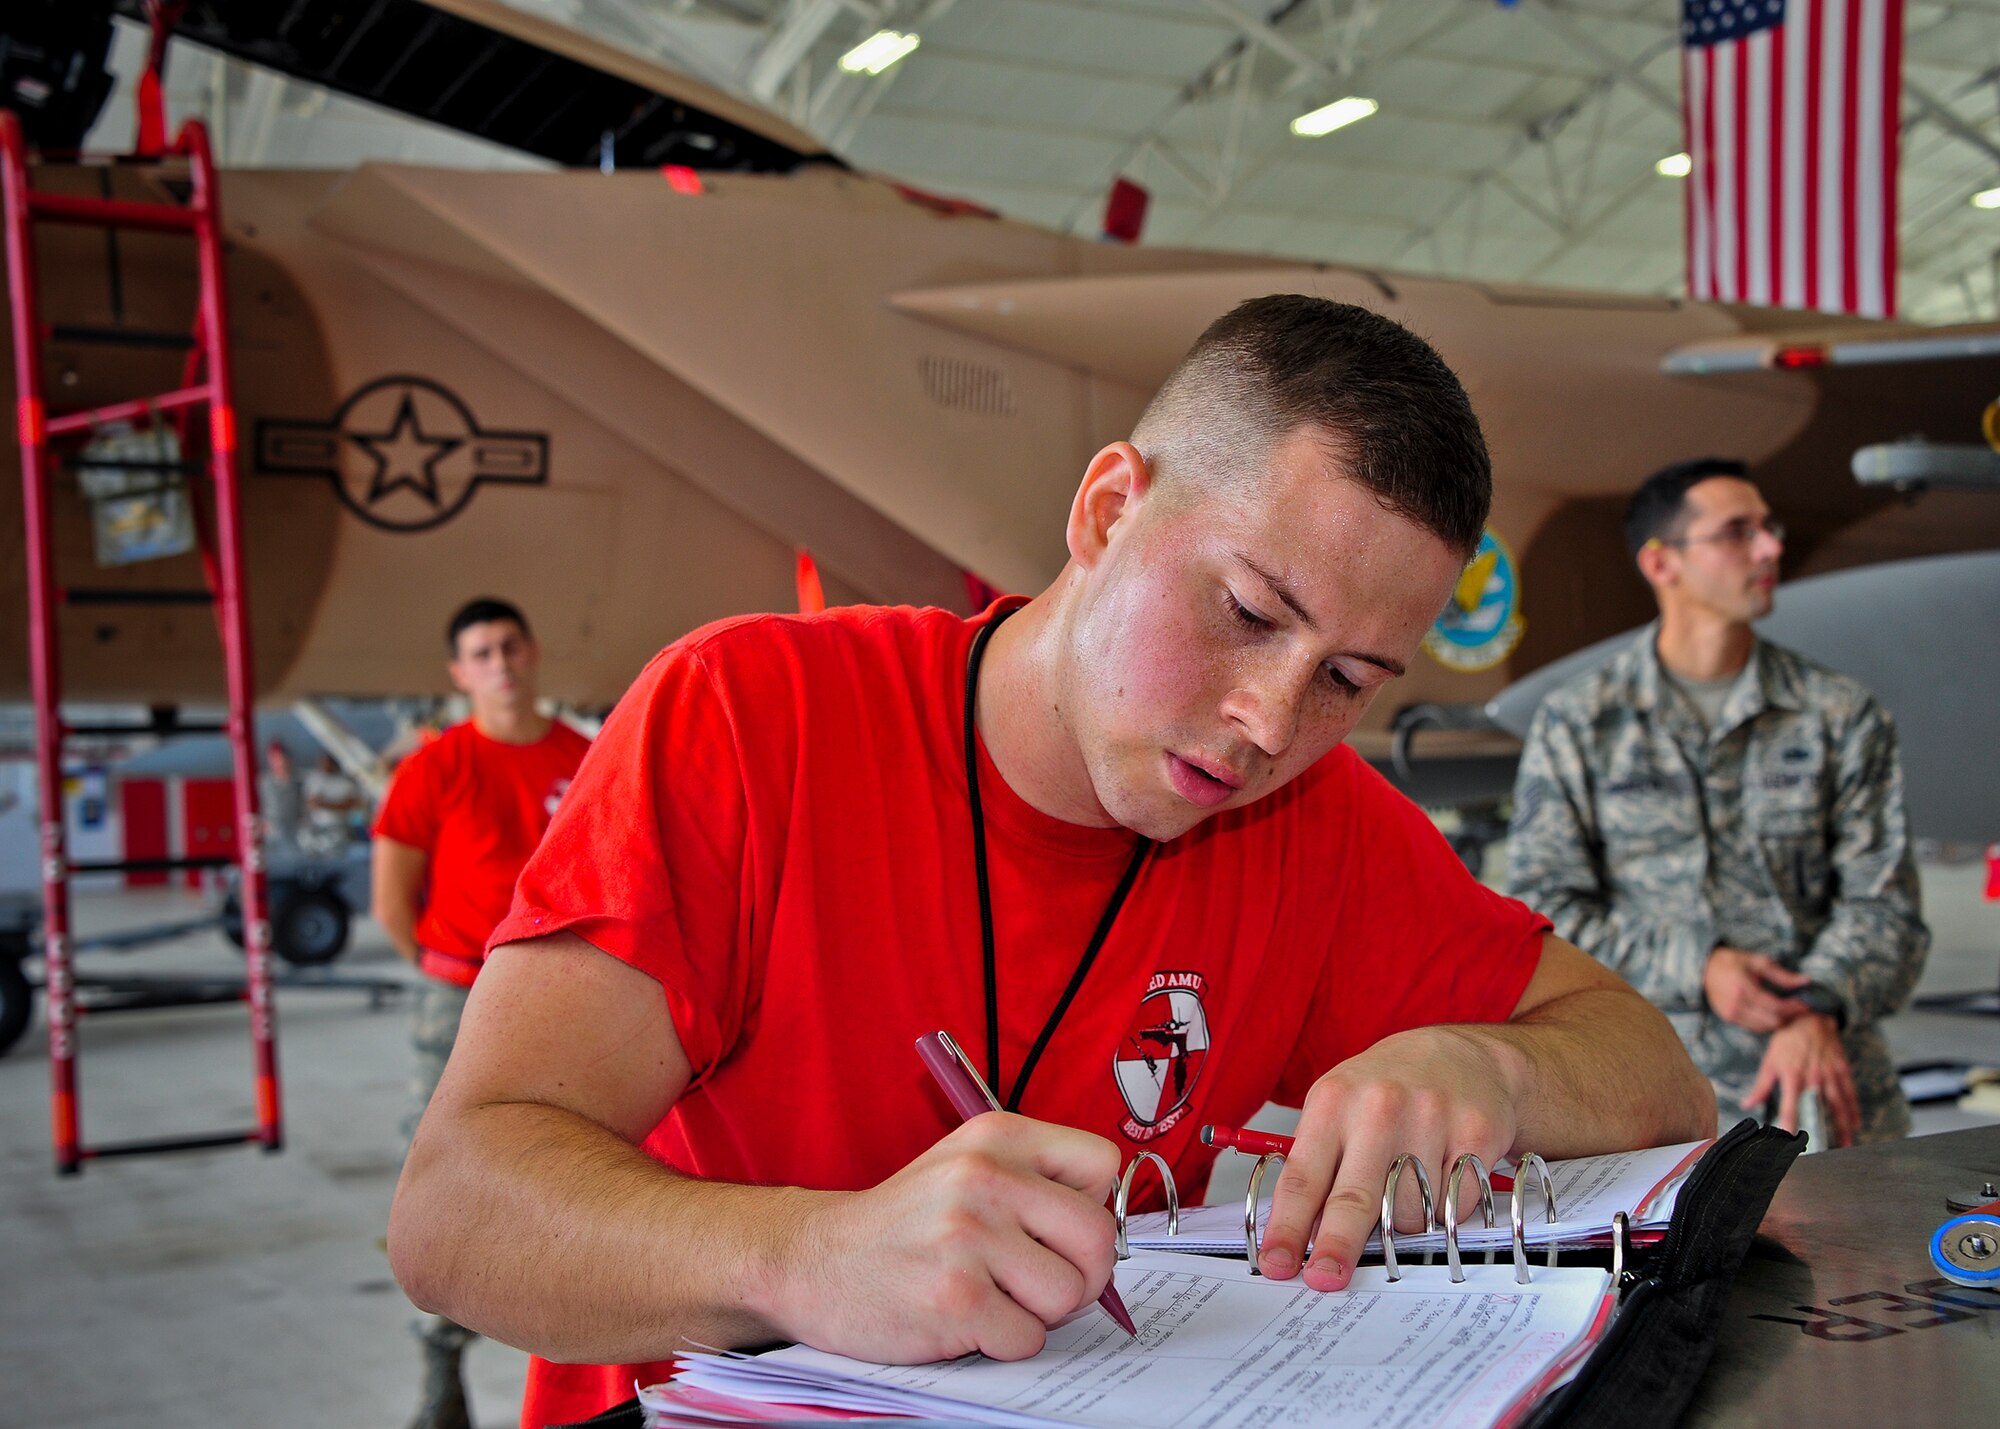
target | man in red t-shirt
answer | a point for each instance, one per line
(1108, 838)
(460, 819)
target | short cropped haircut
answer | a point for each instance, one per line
(1389, 408)
(479, 612)
(1660, 503)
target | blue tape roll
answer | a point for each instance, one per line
(1958, 1274)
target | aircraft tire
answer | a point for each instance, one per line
(310, 929)
(17, 1000)
(232, 921)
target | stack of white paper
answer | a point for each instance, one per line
(1589, 1189)
(1218, 1348)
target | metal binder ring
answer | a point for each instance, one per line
(1451, 1209)
(1124, 1195)
(1389, 1208)
(1250, 1207)
(1519, 1208)
(1621, 1246)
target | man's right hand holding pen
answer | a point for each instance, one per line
(984, 1242)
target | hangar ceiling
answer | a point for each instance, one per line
(1515, 142)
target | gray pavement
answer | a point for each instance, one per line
(216, 1287)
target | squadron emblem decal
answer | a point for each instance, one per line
(1481, 623)
(1160, 1060)
(404, 453)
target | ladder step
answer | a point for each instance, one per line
(121, 336)
(206, 1142)
(136, 595)
(99, 1000)
(71, 423)
(115, 730)
(177, 468)
(154, 865)
(111, 213)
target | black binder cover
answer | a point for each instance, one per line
(1659, 1344)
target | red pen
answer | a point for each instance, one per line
(1266, 1143)
(969, 1096)
(1257, 1143)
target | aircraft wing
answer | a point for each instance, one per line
(1531, 358)
(1847, 345)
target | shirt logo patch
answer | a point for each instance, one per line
(1159, 1062)
(1645, 783)
(554, 797)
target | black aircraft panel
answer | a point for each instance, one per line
(420, 61)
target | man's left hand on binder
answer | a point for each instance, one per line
(1567, 1075)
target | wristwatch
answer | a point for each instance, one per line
(1823, 1000)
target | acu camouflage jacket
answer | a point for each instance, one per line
(1648, 839)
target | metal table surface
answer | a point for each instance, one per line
(1838, 1316)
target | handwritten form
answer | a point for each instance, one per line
(1219, 1348)
(1589, 1189)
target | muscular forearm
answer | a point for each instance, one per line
(544, 1230)
(401, 927)
(1597, 1070)
(398, 872)
(1660, 954)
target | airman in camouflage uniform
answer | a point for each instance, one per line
(1653, 839)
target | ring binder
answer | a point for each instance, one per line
(1564, 1354)
(1451, 1210)
(1389, 1208)
(1124, 1196)
(1250, 1207)
(1518, 1211)
(1642, 1184)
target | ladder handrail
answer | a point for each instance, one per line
(233, 621)
(223, 567)
(44, 659)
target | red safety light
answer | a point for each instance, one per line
(812, 595)
(681, 179)
(1125, 211)
(1804, 355)
(28, 416)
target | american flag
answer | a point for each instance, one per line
(1791, 109)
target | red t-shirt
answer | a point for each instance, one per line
(774, 825)
(477, 807)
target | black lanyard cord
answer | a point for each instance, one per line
(1012, 1101)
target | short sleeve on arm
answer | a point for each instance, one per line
(646, 856)
(409, 812)
(1416, 939)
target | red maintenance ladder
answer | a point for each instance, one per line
(206, 384)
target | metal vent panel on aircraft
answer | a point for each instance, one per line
(968, 386)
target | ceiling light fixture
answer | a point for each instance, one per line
(1674, 166)
(1336, 115)
(1986, 198)
(878, 52)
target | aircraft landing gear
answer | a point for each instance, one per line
(17, 996)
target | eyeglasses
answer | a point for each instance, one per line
(1738, 533)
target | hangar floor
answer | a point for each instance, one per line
(230, 1288)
